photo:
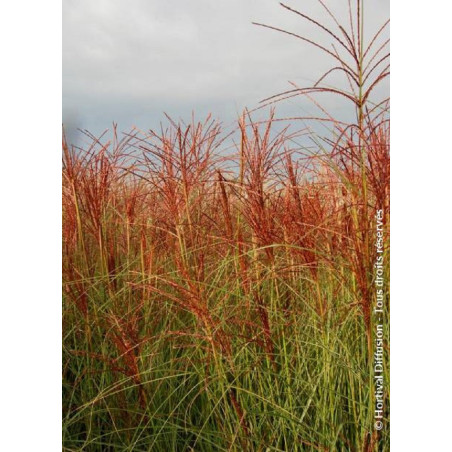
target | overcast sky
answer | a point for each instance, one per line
(129, 61)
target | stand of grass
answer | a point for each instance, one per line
(222, 302)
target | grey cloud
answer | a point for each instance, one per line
(130, 61)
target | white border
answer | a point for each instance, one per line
(30, 190)
(421, 325)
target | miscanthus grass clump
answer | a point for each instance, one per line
(219, 300)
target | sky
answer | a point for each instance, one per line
(131, 61)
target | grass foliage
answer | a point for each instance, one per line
(221, 301)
